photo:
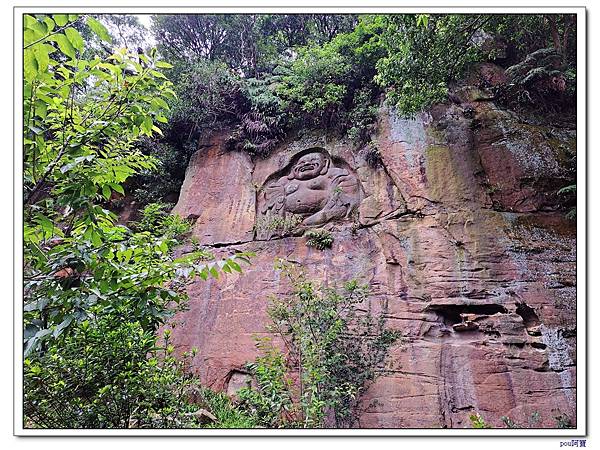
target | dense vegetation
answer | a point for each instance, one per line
(106, 118)
(92, 285)
(266, 76)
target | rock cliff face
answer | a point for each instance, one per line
(455, 228)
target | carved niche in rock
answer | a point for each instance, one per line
(313, 189)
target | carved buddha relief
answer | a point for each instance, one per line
(311, 190)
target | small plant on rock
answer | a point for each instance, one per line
(478, 422)
(320, 239)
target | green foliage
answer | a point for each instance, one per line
(320, 239)
(165, 180)
(540, 80)
(248, 43)
(271, 404)
(227, 413)
(265, 76)
(233, 79)
(82, 116)
(526, 33)
(208, 93)
(572, 188)
(332, 353)
(423, 55)
(570, 191)
(332, 84)
(157, 221)
(108, 373)
(81, 120)
(211, 95)
(90, 285)
(362, 117)
(263, 120)
(533, 421)
(478, 422)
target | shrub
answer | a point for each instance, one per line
(332, 354)
(108, 373)
(478, 422)
(320, 239)
(227, 413)
(271, 404)
(263, 120)
(570, 192)
(157, 220)
(331, 85)
(539, 81)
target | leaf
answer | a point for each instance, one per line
(567, 189)
(99, 29)
(235, 266)
(30, 65)
(49, 23)
(158, 130)
(64, 324)
(74, 38)
(158, 74)
(158, 103)
(147, 125)
(61, 19)
(76, 162)
(96, 238)
(45, 223)
(30, 36)
(37, 26)
(64, 44)
(117, 188)
(28, 21)
(41, 56)
(106, 192)
(41, 109)
(163, 65)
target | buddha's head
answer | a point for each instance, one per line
(310, 166)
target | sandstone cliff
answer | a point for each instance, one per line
(455, 228)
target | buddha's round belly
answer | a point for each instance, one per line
(305, 201)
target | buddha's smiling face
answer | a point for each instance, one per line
(309, 166)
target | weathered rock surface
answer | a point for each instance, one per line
(457, 233)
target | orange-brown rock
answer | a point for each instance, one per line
(458, 226)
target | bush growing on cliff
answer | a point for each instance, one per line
(320, 239)
(424, 53)
(331, 85)
(332, 353)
